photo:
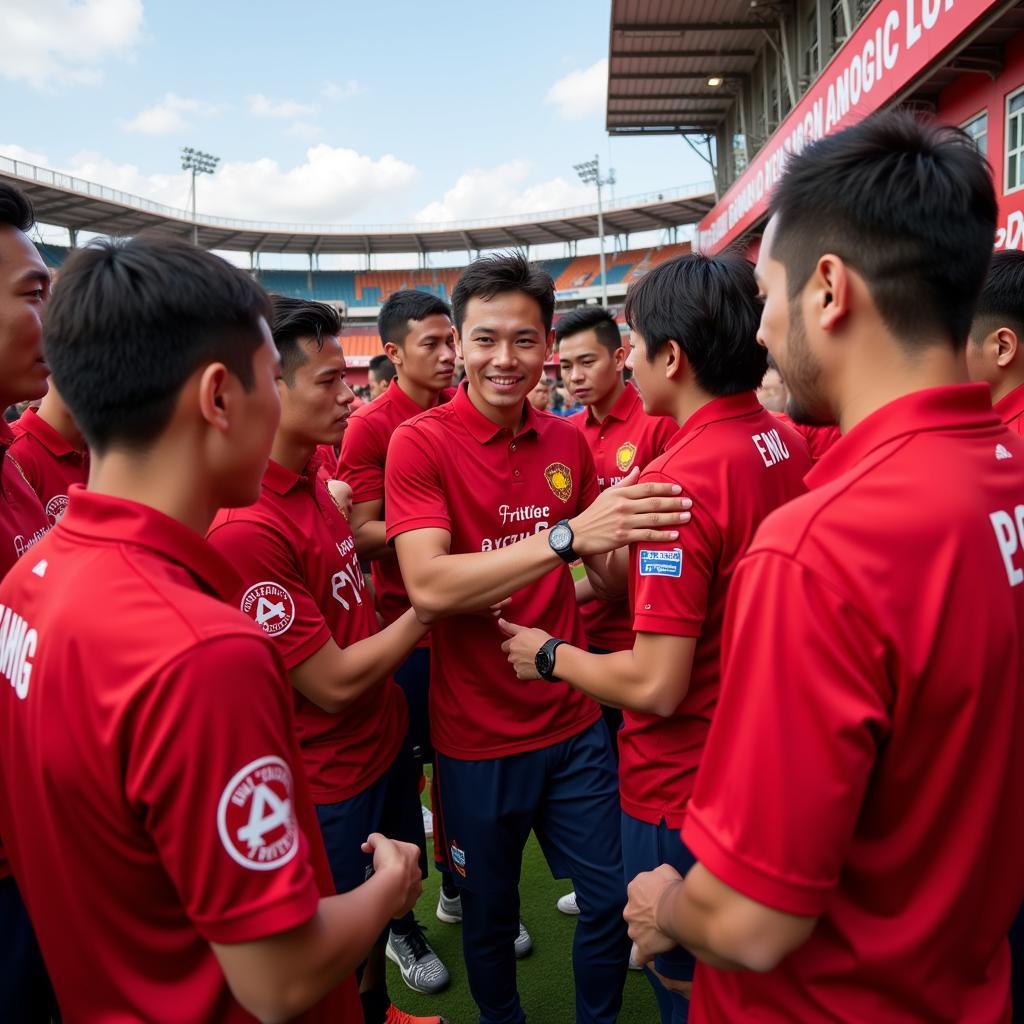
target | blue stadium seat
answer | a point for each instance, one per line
(53, 255)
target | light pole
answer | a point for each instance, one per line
(590, 174)
(198, 162)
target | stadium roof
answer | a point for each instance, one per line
(663, 52)
(70, 202)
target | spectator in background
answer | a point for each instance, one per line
(382, 373)
(772, 392)
(540, 396)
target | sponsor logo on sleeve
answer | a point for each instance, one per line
(56, 507)
(559, 478)
(661, 562)
(256, 815)
(625, 455)
(270, 606)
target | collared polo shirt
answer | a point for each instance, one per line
(50, 464)
(1010, 409)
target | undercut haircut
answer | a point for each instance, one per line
(590, 318)
(15, 208)
(1001, 303)
(909, 205)
(382, 369)
(500, 274)
(131, 320)
(298, 320)
(709, 306)
(404, 306)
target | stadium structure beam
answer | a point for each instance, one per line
(662, 28)
(643, 106)
(553, 233)
(713, 94)
(670, 76)
(656, 54)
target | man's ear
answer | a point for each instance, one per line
(1006, 345)
(394, 353)
(215, 395)
(676, 363)
(831, 291)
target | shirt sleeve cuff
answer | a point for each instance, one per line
(757, 882)
(365, 492)
(667, 625)
(418, 523)
(288, 912)
(308, 647)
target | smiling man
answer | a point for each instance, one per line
(856, 818)
(486, 499)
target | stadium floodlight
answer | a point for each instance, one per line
(590, 174)
(198, 162)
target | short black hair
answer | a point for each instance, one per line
(1001, 303)
(709, 306)
(295, 320)
(131, 321)
(498, 274)
(909, 204)
(403, 306)
(15, 207)
(590, 318)
(382, 369)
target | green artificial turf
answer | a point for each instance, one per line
(545, 977)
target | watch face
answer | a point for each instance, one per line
(543, 662)
(561, 538)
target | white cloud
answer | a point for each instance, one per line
(582, 92)
(57, 42)
(334, 91)
(167, 116)
(330, 185)
(502, 190)
(14, 152)
(306, 130)
(262, 106)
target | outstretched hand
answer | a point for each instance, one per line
(522, 646)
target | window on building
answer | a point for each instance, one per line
(838, 19)
(812, 54)
(977, 128)
(863, 6)
(1014, 141)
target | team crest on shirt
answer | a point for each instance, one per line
(559, 478)
(458, 859)
(625, 455)
(56, 507)
(270, 606)
(256, 815)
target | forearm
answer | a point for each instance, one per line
(371, 541)
(608, 573)
(616, 679)
(365, 663)
(458, 584)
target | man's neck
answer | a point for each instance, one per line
(606, 403)
(507, 417)
(425, 398)
(60, 420)
(292, 453)
(689, 400)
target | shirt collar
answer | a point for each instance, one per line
(1010, 405)
(941, 408)
(483, 429)
(728, 407)
(99, 516)
(55, 442)
(623, 408)
(6, 436)
(401, 401)
(281, 480)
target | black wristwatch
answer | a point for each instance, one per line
(561, 539)
(545, 659)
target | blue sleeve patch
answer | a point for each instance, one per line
(661, 562)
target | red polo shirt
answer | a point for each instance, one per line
(302, 583)
(453, 469)
(865, 763)
(625, 438)
(364, 450)
(150, 790)
(819, 439)
(1010, 409)
(737, 464)
(49, 463)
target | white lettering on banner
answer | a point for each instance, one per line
(891, 46)
(1012, 236)
(1010, 536)
(18, 642)
(770, 447)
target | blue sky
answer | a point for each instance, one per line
(344, 112)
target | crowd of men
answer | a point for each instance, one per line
(771, 730)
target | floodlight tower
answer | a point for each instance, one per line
(590, 174)
(198, 162)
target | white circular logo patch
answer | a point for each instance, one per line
(270, 606)
(56, 507)
(256, 815)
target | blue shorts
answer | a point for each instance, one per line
(644, 847)
(413, 676)
(391, 805)
(25, 993)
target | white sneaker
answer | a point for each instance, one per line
(428, 821)
(568, 905)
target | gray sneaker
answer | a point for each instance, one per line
(449, 910)
(421, 967)
(524, 944)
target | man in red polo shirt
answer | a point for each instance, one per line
(151, 793)
(856, 818)
(51, 452)
(24, 292)
(303, 585)
(737, 464)
(487, 498)
(996, 350)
